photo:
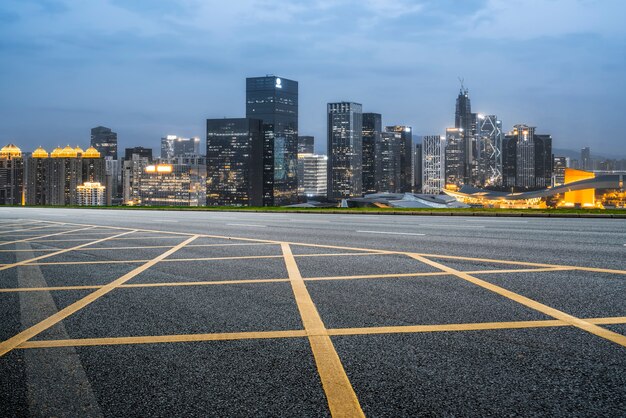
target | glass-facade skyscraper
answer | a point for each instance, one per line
(406, 157)
(345, 153)
(527, 158)
(234, 162)
(105, 141)
(274, 100)
(372, 126)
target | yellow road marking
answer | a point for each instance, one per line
(340, 395)
(30, 260)
(44, 236)
(26, 229)
(555, 313)
(407, 329)
(29, 333)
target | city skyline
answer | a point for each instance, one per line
(136, 82)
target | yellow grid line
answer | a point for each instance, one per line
(405, 329)
(43, 236)
(36, 329)
(530, 303)
(253, 281)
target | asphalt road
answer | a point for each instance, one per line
(146, 313)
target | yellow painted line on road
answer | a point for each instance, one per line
(406, 329)
(41, 257)
(530, 303)
(36, 329)
(342, 399)
(33, 239)
(164, 339)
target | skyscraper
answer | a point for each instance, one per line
(432, 164)
(417, 168)
(140, 151)
(372, 126)
(174, 184)
(176, 146)
(527, 158)
(306, 144)
(235, 162)
(312, 175)
(389, 163)
(585, 159)
(274, 100)
(64, 173)
(559, 166)
(105, 141)
(36, 177)
(133, 166)
(11, 175)
(406, 157)
(489, 151)
(345, 151)
(455, 157)
(466, 120)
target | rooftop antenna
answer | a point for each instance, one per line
(462, 81)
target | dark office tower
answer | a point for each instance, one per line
(455, 157)
(466, 120)
(139, 151)
(527, 158)
(345, 150)
(406, 157)
(489, 151)
(36, 177)
(274, 100)
(585, 159)
(11, 175)
(176, 146)
(234, 162)
(372, 126)
(306, 145)
(105, 141)
(417, 168)
(389, 163)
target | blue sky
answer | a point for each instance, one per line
(147, 68)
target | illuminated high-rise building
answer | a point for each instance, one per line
(105, 141)
(389, 162)
(465, 121)
(417, 168)
(489, 151)
(559, 165)
(312, 175)
(36, 168)
(345, 153)
(433, 176)
(176, 146)
(585, 159)
(167, 184)
(11, 175)
(526, 158)
(372, 127)
(274, 100)
(94, 166)
(235, 162)
(64, 173)
(91, 194)
(455, 157)
(406, 156)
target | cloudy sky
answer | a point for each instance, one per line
(147, 68)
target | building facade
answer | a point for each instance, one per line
(306, 144)
(489, 151)
(433, 175)
(406, 156)
(345, 153)
(455, 157)
(133, 166)
(527, 158)
(465, 121)
(312, 175)
(389, 163)
(176, 146)
(140, 151)
(36, 168)
(167, 184)
(235, 162)
(274, 100)
(372, 129)
(417, 168)
(11, 175)
(91, 194)
(105, 141)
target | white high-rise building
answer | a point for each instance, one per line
(312, 175)
(91, 194)
(433, 174)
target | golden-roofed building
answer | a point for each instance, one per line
(91, 152)
(79, 150)
(10, 151)
(67, 152)
(40, 153)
